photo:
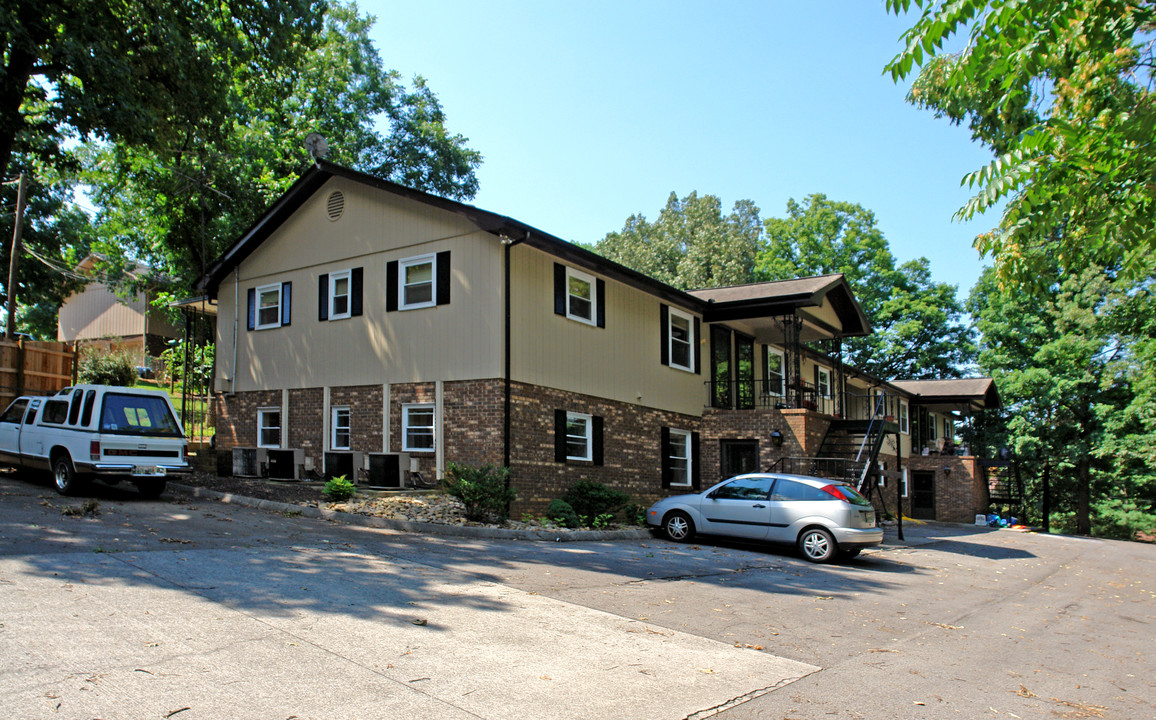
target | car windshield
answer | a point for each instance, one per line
(137, 415)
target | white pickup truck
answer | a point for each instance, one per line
(88, 431)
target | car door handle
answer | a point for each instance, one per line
(758, 505)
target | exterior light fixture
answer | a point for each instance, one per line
(776, 438)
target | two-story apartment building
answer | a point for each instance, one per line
(361, 315)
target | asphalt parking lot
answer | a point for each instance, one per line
(190, 608)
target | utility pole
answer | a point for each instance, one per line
(10, 323)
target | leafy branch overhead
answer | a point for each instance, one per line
(1060, 91)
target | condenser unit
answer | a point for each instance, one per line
(285, 464)
(248, 461)
(387, 470)
(343, 463)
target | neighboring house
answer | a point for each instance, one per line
(358, 315)
(97, 317)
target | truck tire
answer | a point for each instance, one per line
(64, 477)
(150, 489)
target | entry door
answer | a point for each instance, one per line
(923, 495)
(739, 457)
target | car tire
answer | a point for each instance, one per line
(64, 477)
(817, 545)
(678, 526)
(150, 489)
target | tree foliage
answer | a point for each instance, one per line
(919, 331)
(1061, 92)
(692, 244)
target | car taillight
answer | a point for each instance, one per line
(94, 450)
(836, 492)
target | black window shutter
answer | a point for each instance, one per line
(559, 289)
(667, 470)
(696, 348)
(559, 436)
(443, 274)
(391, 286)
(664, 319)
(323, 296)
(355, 283)
(596, 439)
(695, 465)
(816, 369)
(286, 303)
(252, 297)
(601, 300)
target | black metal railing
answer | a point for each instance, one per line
(752, 394)
(828, 467)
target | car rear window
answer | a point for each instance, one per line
(137, 415)
(854, 496)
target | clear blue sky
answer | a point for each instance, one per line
(588, 112)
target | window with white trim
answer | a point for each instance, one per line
(681, 339)
(904, 422)
(269, 427)
(581, 300)
(268, 307)
(822, 381)
(932, 427)
(903, 484)
(340, 284)
(418, 283)
(578, 436)
(339, 428)
(679, 456)
(417, 428)
(773, 365)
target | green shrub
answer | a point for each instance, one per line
(106, 368)
(483, 490)
(339, 489)
(560, 512)
(591, 499)
(634, 514)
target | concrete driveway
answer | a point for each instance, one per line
(192, 609)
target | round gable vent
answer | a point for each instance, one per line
(336, 205)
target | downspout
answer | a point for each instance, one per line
(236, 321)
(507, 243)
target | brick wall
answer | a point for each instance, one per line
(802, 432)
(474, 416)
(306, 423)
(237, 417)
(364, 403)
(961, 490)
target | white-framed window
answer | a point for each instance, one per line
(948, 433)
(903, 484)
(579, 433)
(904, 415)
(822, 381)
(418, 282)
(581, 298)
(417, 428)
(679, 456)
(268, 307)
(681, 340)
(339, 428)
(340, 293)
(773, 366)
(269, 427)
(933, 427)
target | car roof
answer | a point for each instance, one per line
(807, 479)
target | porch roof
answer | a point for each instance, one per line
(825, 303)
(968, 395)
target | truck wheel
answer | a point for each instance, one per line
(64, 476)
(150, 489)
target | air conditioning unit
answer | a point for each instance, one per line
(387, 470)
(285, 464)
(248, 461)
(343, 462)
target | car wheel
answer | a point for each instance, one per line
(150, 489)
(678, 527)
(817, 545)
(64, 477)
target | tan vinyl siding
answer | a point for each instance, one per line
(618, 362)
(96, 312)
(458, 341)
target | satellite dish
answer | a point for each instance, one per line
(316, 145)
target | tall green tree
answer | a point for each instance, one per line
(919, 328)
(692, 244)
(1061, 92)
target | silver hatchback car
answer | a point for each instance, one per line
(825, 519)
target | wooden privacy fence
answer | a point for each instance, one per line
(35, 367)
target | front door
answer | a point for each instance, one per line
(923, 495)
(739, 457)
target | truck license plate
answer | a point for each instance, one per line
(147, 471)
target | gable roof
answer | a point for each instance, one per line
(974, 393)
(747, 301)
